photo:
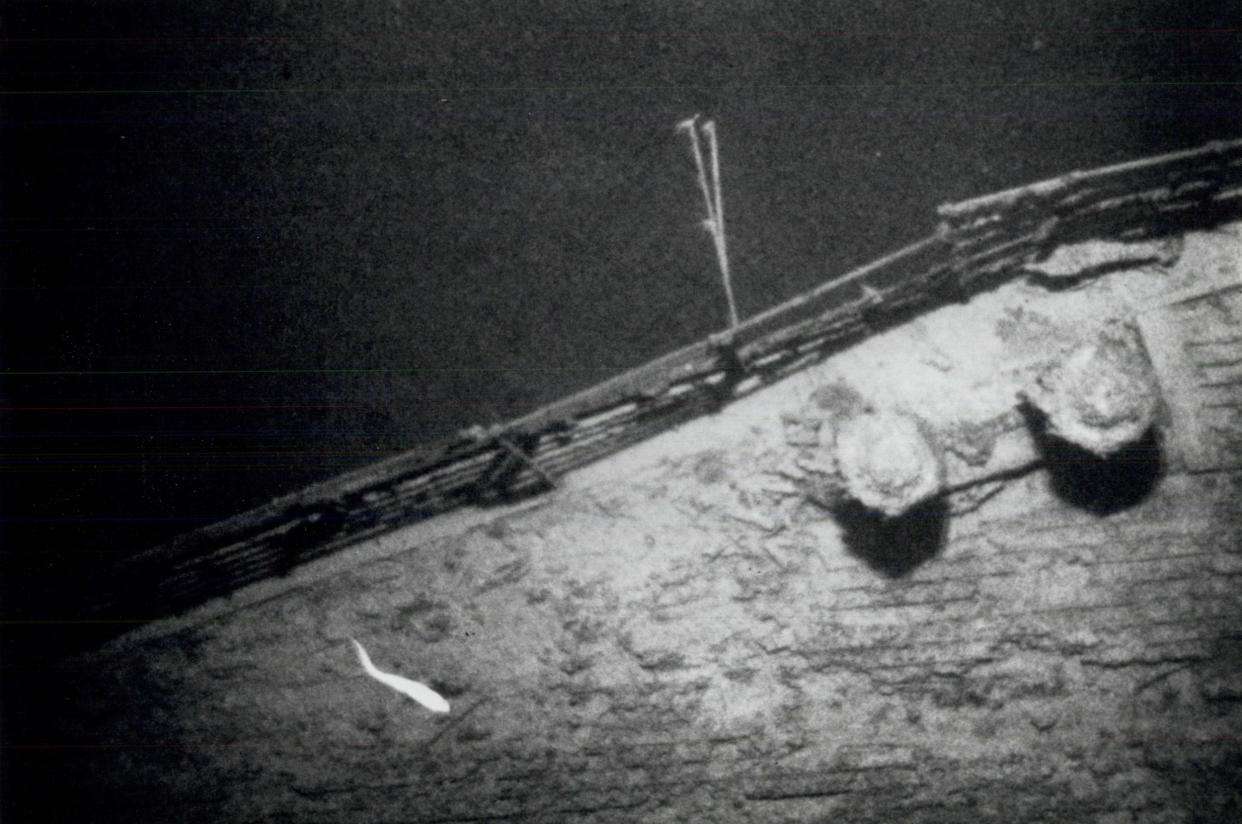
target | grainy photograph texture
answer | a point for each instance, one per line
(605, 412)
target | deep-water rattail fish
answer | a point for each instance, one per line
(421, 693)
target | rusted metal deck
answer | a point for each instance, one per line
(977, 244)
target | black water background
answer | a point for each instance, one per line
(247, 246)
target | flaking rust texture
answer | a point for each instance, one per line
(689, 632)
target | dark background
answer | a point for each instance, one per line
(249, 245)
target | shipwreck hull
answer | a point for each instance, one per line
(977, 245)
(677, 633)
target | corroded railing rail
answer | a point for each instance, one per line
(979, 243)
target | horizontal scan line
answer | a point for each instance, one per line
(442, 90)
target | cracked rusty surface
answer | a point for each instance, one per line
(681, 634)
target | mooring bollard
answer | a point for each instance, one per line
(887, 463)
(1104, 396)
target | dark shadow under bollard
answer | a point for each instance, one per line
(1100, 485)
(894, 545)
(1104, 485)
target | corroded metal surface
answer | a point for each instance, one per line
(682, 633)
(1195, 340)
(980, 243)
(637, 652)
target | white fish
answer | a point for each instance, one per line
(421, 693)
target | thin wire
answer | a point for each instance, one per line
(713, 199)
(690, 125)
(722, 251)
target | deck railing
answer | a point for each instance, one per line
(978, 244)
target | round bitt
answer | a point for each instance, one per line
(887, 463)
(1103, 397)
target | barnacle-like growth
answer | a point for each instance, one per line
(1104, 396)
(886, 461)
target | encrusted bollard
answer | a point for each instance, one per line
(886, 462)
(1104, 396)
